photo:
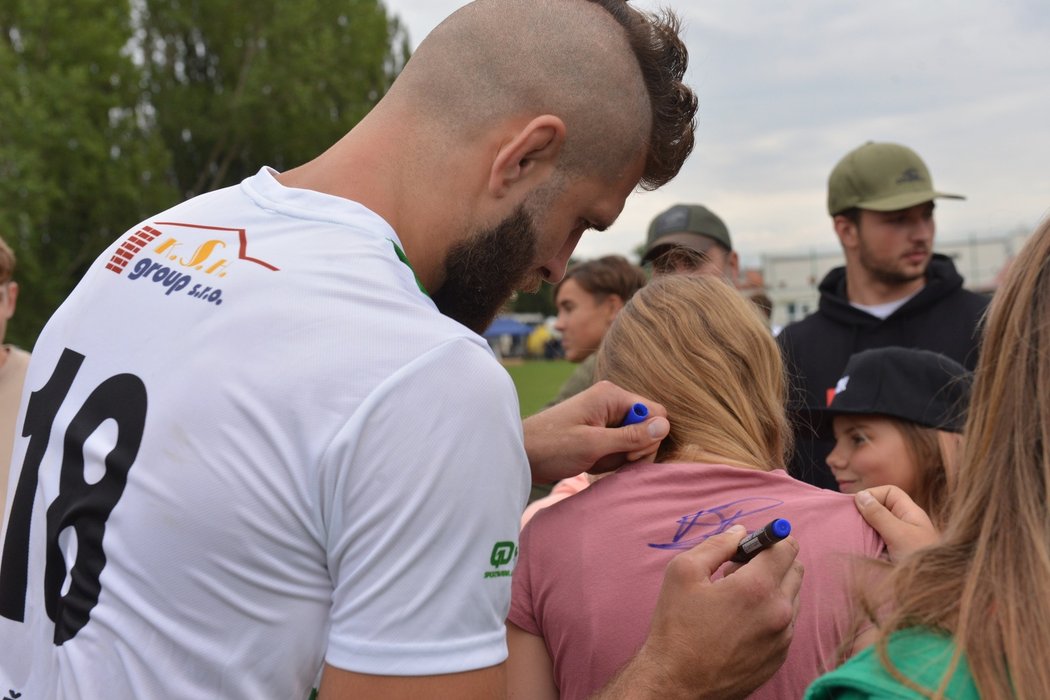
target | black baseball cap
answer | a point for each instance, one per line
(915, 385)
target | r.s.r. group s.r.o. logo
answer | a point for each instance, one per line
(184, 254)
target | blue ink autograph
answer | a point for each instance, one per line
(714, 521)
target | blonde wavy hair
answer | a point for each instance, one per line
(987, 583)
(695, 345)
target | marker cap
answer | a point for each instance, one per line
(780, 527)
(637, 413)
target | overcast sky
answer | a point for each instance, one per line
(786, 89)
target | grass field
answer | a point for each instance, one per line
(538, 381)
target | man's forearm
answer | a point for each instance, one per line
(646, 678)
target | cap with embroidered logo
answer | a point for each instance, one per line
(690, 225)
(881, 177)
(915, 385)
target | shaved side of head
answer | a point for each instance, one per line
(610, 73)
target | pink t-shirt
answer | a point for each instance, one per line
(590, 567)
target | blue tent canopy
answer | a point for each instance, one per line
(507, 326)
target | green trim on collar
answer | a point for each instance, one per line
(404, 258)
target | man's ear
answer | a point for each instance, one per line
(846, 230)
(531, 154)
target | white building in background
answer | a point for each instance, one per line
(791, 279)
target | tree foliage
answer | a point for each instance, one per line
(239, 84)
(541, 301)
(111, 111)
(77, 164)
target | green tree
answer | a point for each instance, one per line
(111, 111)
(78, 161)
(237, 85)
(540, 301)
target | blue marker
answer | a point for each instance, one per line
(636, 414)
(760, 539)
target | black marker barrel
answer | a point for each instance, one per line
(760, 539)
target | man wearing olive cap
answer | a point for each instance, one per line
(893, 290)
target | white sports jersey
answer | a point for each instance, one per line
(252, 444)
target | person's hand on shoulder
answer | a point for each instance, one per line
(581, 433)
(904, 526)
(716, 638)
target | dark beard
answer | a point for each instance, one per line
(481, 273)
(887, 275)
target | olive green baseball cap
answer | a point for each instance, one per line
(881, 177)
(690, 225)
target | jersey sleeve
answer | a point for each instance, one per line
(422, 494)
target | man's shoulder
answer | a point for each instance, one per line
(802, 329)
(456, 371)
(17, 354)
(959, 304)
(969, 299)
(17, 364)
(833, 311)
(923, 656)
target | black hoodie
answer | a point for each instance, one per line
(942, 317)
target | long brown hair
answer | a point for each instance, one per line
(934, 453)
(988, 581)
(694, 344)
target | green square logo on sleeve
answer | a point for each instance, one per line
(504, 554)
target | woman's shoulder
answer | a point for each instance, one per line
(922, 656)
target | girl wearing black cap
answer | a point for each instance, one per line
(897, 417)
